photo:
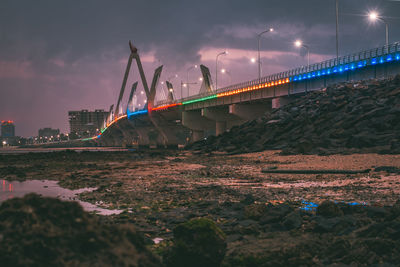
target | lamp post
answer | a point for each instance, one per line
(299, 43)
(187, 76)
(259, 58)
(373, 16)
(337, 30)
(216, 68)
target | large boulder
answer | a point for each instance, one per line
(197, 243)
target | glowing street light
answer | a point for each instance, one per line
(253, 60)
(259, 58)
(216, 68)
(299, 44)
(373, 16)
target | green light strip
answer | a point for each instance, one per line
(199, 99)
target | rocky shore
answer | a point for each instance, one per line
(361, 117)
(257, 218)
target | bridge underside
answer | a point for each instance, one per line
(141, 132)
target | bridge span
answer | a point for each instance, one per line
(177, 122)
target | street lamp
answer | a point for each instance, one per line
(216, 68)
(299, 43)
(337, 29)
(187, 76)
(259, 59)
(373, 16)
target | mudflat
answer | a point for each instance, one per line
(261, 213)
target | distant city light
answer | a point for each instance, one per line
(253, 60)
(141, 92)
(223, 70)
(201, 79)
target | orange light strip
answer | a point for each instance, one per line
(166, 106)
(117, 119)
(254, 87)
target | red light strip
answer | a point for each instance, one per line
(254, 87)
(166, 106)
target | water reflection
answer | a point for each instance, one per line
(47, 188)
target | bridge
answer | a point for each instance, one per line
(180, 121)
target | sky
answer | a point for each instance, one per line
(59, 55)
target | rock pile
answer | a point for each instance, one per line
(36, 231)
(344, 118)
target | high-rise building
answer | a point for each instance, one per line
(86, 123)
(7, 129)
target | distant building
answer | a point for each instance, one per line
(8, 137)
(7, 129)
(86, 123)
(49, 133)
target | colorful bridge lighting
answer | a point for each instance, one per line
(281, 81)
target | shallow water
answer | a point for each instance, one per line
(47, 188)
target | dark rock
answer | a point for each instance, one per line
(292, 221)
(198, 242)
(329, 209)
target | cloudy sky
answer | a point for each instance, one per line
(59, 55)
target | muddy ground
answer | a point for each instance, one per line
(260, 212)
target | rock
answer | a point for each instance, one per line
(329, 209)
(254, 211)
(37, 231)
(198, 242)
(292, 221)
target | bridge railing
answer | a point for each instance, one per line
(334, 62)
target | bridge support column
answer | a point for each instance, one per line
(220, 127)
(197, 135)
(197, 123)
(249, 111)
(222, 118)
(280, 102)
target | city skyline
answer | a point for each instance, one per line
(60, 57)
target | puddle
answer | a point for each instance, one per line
(49, 188)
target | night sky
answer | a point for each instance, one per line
(57, 56)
